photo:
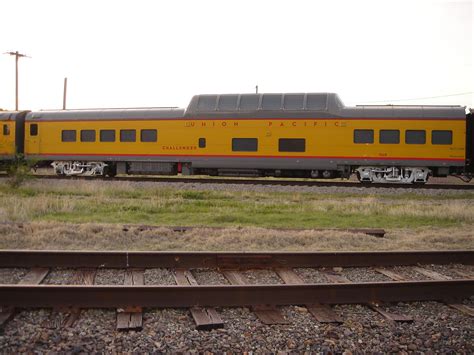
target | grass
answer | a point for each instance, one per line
(91, 236)
(125, 202)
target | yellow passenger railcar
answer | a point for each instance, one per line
(306, 135)
(11, 136)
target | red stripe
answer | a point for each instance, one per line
(251, 156)
(255, 119)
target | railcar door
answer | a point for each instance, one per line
(33, 137)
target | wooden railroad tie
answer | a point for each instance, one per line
(206, 318)
(131, 317)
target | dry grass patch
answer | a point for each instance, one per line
(43, 235)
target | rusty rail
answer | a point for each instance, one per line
(257, 181)
(235, 260)
(231, 296)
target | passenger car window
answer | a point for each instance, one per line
(207, 103)
(128, 135)
(88, 135)
(442, 137)
(68, 136)
(291, 145)
(6, 130)
(107, 135)
(389, 136)
(202, 142)
(244, 144)
(293, 102)
(148, 135)
(249, 102)
(415, 137)
(271, 102)
(316, 101)
(228, 102)
(33, 129)
(363, 136)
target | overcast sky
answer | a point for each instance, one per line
(160, 53)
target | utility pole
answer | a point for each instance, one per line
(17, 55)
(64, 93)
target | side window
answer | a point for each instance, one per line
(442, 137)
(249, 102)
(148, 135)
(6, 130)
(291, 145)
(228, 102)
(107, 135)
(202, 142)
(33, 129)
(293, 102)
(271, 102)
(88, 135)
(244, 144)
(415, 137)
(68, 136)
(363, 136)
(128, 135)
(389, 136)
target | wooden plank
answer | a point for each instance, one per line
(322, 313)
(289, 276)
(132, 317)
(465, 274)
(431, 274)
(390, 274)
(34, 276)
(268, 314)
(389, 315)
(205, 318)
(336, 278)
(67, 317)
(463, 308)
(440, 277)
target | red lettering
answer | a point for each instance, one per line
(224, 124)
(293, 124)
(282, 124)
(236, 124)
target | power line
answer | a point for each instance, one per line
(422, 98)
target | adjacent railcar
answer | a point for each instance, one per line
(11, 136)
(300, 135)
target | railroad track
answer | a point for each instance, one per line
(134, 295)
(256, 181)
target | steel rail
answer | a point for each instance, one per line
(257, 181)
(231, 296)
(231, 260)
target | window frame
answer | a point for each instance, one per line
(291, 149)
(123, 131)
(415, 130)
(363, 130)
(146, 130)
(202, 142)
(34, 129)
(442, 131)
(83, 135)
(67, 131)
(6, 129)
(241, 140)
(107, 131)
(389, 130)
